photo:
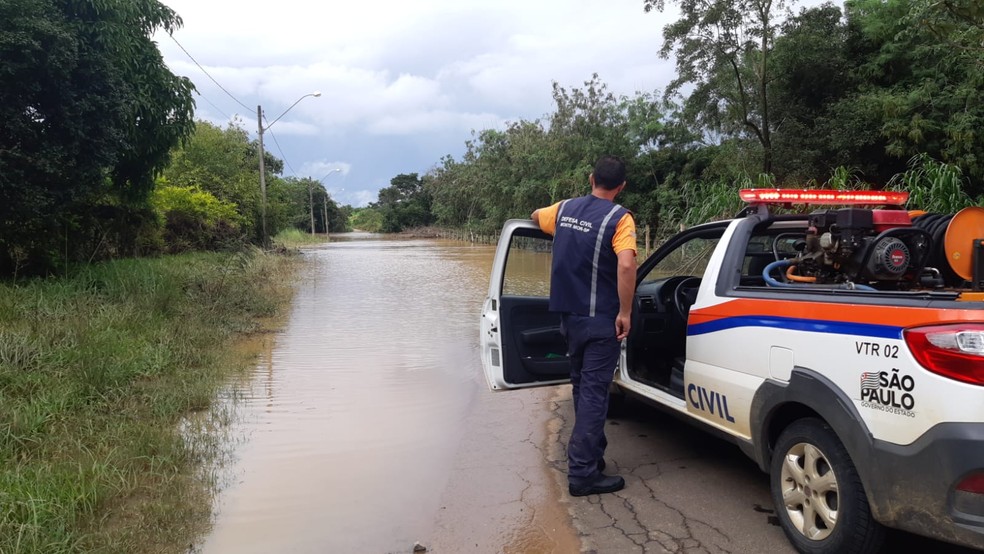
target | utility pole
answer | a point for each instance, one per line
(326, 212)
(260, 131)
(322, 181)
(311, 203)
(265, 239)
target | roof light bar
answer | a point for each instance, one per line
(798, 196)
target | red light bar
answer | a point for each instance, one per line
(797, 196)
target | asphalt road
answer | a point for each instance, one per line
(687, 492)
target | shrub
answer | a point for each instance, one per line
(194, 219)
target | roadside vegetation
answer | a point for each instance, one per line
(127, 272)
(101, 156)
(98, 370)
(295, 238)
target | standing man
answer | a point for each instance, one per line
(592, 282)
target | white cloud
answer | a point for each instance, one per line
(409, 123)
(359, 198)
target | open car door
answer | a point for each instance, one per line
(521, 341)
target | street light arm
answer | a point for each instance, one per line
(336, 170)
(314, 94)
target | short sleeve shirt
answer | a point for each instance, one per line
(625, 230)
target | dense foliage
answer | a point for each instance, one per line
(195, 220)
(405, 203)
(225, 164)
(100, 156)
(90, 113)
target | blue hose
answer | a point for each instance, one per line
(768, 269)
(784, 263)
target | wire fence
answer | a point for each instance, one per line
(645, 240)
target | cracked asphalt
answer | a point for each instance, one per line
(687, 492)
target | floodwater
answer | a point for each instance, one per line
(350, 424)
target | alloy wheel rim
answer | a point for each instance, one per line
(809, 491)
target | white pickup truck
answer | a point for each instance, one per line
(842, 349)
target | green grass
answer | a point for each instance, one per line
(294, 238)
(98, 374)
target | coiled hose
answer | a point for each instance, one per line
(936, 225)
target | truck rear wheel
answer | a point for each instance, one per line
(818, 495)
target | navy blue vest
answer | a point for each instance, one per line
(584, 275)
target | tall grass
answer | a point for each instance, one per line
(697, 202)
(933, 186)
(293, 238)
(97, 371)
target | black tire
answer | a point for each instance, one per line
(819, 498)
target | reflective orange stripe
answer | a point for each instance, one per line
(899, 316)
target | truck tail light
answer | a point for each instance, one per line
(955, 351)
(973, 483)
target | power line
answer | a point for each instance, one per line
(214, 106)
(206, 72)
(281, 150)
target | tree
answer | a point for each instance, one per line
(958, 23)
(338, 216)
(507, 173)
(367, 219)
(812, 69)
(311, 205)
(90, 114)
(722, 48)
(915, 92)
(222, 162)
(405, 203)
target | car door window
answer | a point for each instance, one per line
(527, 270)
(689, 258)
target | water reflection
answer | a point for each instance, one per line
(352, 421)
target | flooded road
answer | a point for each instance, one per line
(367, 427)
(349, 426)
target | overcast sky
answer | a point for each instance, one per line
(403, 83)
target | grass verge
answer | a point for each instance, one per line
(295, 238)
(98, 372)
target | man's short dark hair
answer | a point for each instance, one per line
(609, 172)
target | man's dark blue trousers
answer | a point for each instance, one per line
(594, 352)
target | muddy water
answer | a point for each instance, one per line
(349, 426)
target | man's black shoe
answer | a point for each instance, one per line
(601, 485)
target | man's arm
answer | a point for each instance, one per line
(626, 290)
(546, 218)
